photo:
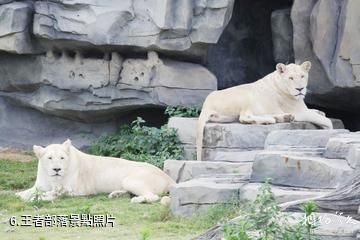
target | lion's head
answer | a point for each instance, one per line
(54, 159)
(293, 78)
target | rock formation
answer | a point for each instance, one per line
(68, 84)
(327, 34)
(89, 60)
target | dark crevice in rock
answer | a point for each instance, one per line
(244, 52)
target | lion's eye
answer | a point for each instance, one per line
(302, 76)
(62, 158)
(291, 78)
(49, 158)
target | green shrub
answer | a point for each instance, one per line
(140, 143)
(183, 111)
(145, 234)
(263, 220)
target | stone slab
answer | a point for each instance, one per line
(301, 138)
(300, 171)
(181, 171)
(249, 191)
(338, 146)
(190, 196)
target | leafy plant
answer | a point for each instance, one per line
(263, 220)
(83, 210)
(183, 111)
(145, 234)
(140, 143)
(310, 208)
(239, 232)
(38, 202)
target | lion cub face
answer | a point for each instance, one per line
(54, 159)
(294, 78)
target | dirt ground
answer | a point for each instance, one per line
(15, 154)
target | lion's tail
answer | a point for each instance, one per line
(203, 119)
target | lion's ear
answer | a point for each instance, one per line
(67, 144)
(281, 68)
(39, 151)
(306, 65)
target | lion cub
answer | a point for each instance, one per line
(276, 98)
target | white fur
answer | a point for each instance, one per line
(278, 97)
(83, 174)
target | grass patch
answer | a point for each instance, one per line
(133, 221)
(17, 175)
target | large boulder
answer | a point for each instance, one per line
(76, 86)
(15, 27)
(345, 146)
(300, 171)
(199, 194)
(166, 24)
(326, 33)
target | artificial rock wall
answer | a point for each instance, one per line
(90, 61)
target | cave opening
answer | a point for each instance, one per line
(244, 52)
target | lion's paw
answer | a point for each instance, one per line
(139, 199)
(116, 194)
(289, 118)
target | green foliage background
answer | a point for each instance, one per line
(140, 143)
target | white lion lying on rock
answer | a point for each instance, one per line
(276, 98)
(64, 169)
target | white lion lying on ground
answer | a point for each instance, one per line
(276, 98)
(64, 169)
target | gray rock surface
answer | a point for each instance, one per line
(326, 33)
(338, 147)
(229, 155)
(249, 191)
(291, 154)
(169, 24)
(282, 36)
(244, 52)
(353, 156)
(300, 138)
(5, 1)
(242, 136)
(300, 171)
(23, 127)
(70, 85)
(198, 194)
(234, 142)
(181, 171)
(15, 27)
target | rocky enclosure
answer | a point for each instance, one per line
(302, 162)
(91, 60)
